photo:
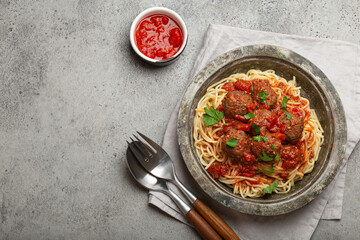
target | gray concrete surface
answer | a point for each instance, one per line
(72, 91)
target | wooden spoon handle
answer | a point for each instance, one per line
(215, 221)
(204, 229)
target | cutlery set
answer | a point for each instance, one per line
(153, 168)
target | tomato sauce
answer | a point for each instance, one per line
(217, 169)
(228, 87)
(158, 37)
(248, 171)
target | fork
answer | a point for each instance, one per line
(157, 184)
(157, 162)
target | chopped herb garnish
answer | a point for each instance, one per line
(232, 142)
(272, 147)
(212, 116)
(288, 116)
(225, 124)
(256, 160)
(271, 188)
(256, 128)
(252, 88)
(284, 102)
(262, 97)
(269, 104)
(267, 171)
(257, 138)
(277, 157)
(265, 157)
(249, 116)
(266, 93)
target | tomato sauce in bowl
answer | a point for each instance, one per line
(158, 36)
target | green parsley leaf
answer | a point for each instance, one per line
(271, 188)
(212, 116)
(262, 97)
(256, 160)
(265, 157)
(269, 104)
(288, 116)
(256, 128)
(272, 147)
(225, 124)
(277, 157)
(267, 171)
(249, 116)
(209, 121)
(257, 138)
(284, 102)
(266, 93)
(252, 88)
(217, 114)
(232, 142)
(210, 112)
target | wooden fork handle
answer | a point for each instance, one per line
(203, 228)
(215, 221)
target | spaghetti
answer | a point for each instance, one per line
(248, 173)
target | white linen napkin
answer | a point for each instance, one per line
(340, 61)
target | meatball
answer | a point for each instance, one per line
(293, 127)
(242, 146)
(236, 102)
(290, 156)
(262, 118)
(260, 85)
(271, 146)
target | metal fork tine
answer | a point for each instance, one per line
(145, 149)
(135, 151)
(140, 148)
(151, 143)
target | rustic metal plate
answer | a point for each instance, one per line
(315, 86)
